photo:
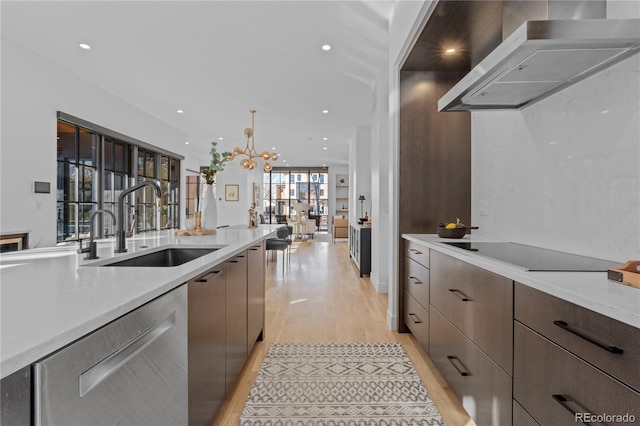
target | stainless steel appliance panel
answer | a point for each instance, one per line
(132, 371)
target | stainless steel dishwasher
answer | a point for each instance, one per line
(133, 371)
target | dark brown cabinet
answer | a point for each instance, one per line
(482, 386)
(604, 342)
(416, 292)
(570, 362)
(471, 335)
(226, 317)
(255, 294)
(206, 345)
(476, 301)
(556, 387)
(236, 318)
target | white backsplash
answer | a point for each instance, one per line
(564, 173)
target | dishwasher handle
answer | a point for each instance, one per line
(109, 365)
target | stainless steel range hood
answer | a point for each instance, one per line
(541, 58)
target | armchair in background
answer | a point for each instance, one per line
(340, 228)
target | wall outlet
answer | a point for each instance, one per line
(38, 204)
(484, 207)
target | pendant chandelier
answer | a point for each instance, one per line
(250, 151)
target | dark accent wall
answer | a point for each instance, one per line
(435, 147)
(435, 160)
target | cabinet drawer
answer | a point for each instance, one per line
(521, 417)
(482, 386)
(550, 382)
(591, 336)
(417, 319)
(478, 302)
(416, 281)
(417, 252)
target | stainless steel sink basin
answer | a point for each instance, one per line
(164, 258)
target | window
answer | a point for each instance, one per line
(93, 170)
(116, 177)
(76, 190)
(282, 187)
(169, 181)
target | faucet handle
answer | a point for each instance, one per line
(83, 250)
(92, 251)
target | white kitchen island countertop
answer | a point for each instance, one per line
(51, 297)
(591, 290)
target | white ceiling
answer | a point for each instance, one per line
(218, 59)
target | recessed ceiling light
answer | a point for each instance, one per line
(220, 139)
(324, 147)
(186, 143)
(325, 111)
(326, 47)
(450, 51)
(324, 139)
(180, 111)
(606, 111)
(324, 165)
(284, 161)
(273, 147)
(85, 46)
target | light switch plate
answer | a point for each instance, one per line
(484, 207)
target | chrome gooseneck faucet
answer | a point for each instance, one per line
(92, 250)
(121, 244)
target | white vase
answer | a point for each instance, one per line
(210, 210)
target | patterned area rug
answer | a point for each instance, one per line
(337, 384)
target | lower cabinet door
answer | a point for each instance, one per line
(521, 417)
(236, 318)
(558, 388)
(417, 319)
(482, 386)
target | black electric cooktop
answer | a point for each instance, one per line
(536, 258)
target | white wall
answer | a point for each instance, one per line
(32, 91)
(360, 173)
(565, 173)
(380, 167)
(236, 212)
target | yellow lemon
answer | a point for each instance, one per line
(450, 226)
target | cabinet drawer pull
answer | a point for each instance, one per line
(415, 280)
(415, 318)
(565, 326)
(462, 369)
(204, 280)
(415, 251)
(460, 295)
(560, 399)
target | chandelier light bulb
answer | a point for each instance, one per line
(274, 156)
(267, 167)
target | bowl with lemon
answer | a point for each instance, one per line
(455, 229)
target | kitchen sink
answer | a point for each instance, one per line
(164, 258)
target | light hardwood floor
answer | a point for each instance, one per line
(320, 297)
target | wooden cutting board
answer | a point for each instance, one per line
(627, 274)
(194, 233)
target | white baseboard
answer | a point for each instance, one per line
(379, 286)
(392, 321)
